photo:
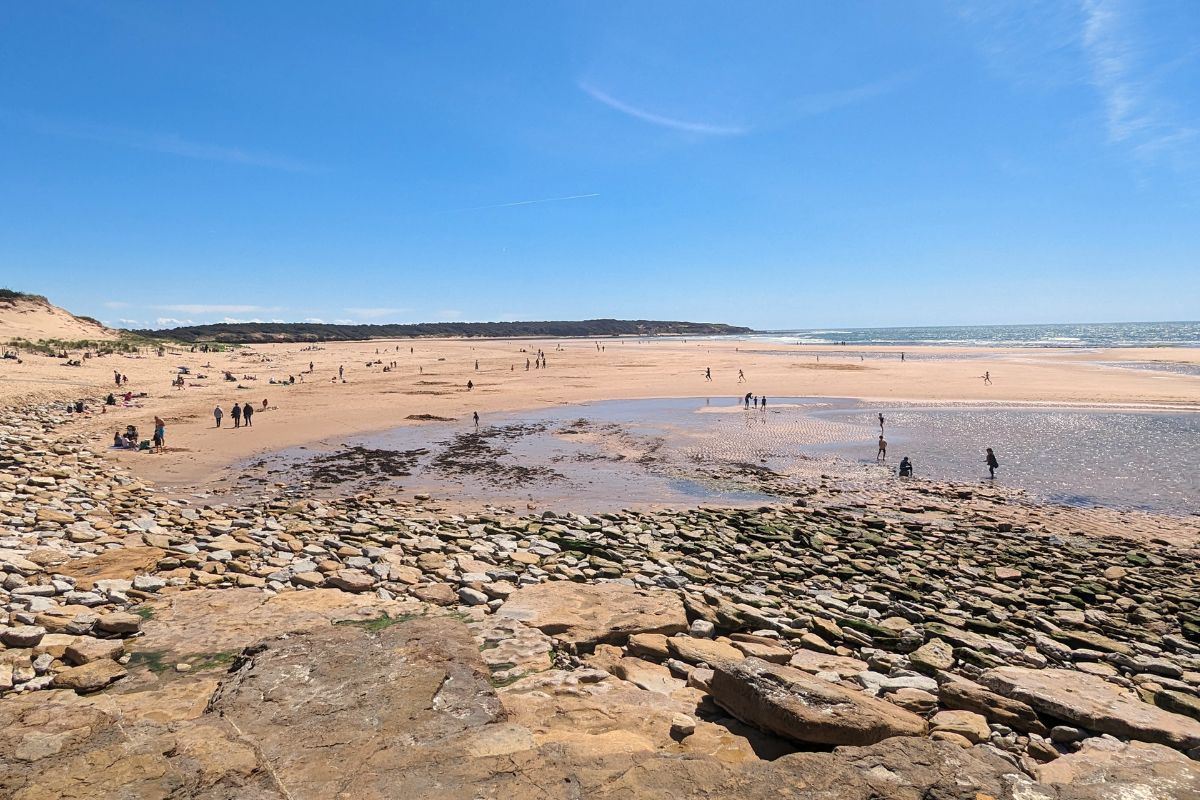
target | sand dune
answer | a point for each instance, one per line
(34, 319)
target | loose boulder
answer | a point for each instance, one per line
(793, 704)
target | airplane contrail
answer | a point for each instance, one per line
(531, 202)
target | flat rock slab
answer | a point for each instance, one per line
(121, 563)
(791, 703)
(586, 615)
(226, 620)
(345, 713)
(1108, 768)
(1093, 703)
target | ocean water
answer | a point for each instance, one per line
(1106, 334)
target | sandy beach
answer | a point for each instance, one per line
(430, 378)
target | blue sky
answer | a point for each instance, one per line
(768, 164)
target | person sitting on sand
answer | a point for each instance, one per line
(905, 468)
(117, 440)
(992, 464)
(882, 454)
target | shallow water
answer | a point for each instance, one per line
(1126, 459)
(679, 451)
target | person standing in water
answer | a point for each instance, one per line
(992, 464)
(882, 454)
(881, 424)
(476, 416)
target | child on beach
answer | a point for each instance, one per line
(882, 454)
(992, 464)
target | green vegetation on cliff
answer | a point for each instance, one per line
(250, 332)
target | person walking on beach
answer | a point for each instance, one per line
(762, 401)
(707, 374)
(882, 454)
(987, 378)
(992, 464)
(247, 413)
(218, 412)
(741, 377)
(477, 365)
(476, 416)
(341, 371)
(237, 415)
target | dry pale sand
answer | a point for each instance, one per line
(432, 380)
(34, 320)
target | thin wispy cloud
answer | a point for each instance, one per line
(152, 141)
(532, 202)
(1135, 114)
(170, 322)
(661, 120)
(215, 308)
(823, 102)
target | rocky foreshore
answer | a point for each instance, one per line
(946, 644)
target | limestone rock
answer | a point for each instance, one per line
(971, 726)
(702, 651)
(966, 695)
(90, 677)
(589, 614)
(1094, 704)
(794, 704)
(1107, 768)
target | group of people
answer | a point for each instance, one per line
(906, 467)
(757, 401)
(129, 439)
(241, 413)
